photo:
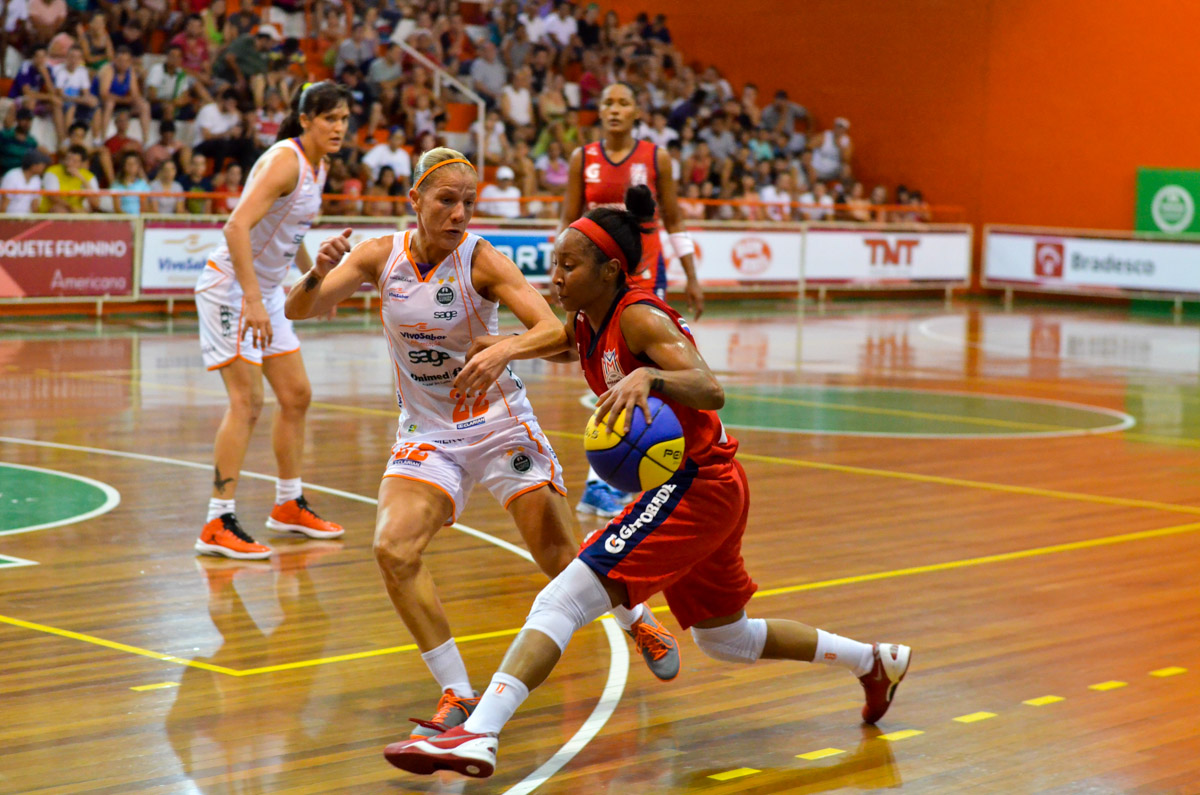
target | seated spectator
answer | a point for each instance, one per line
(745, 197)
(165, 182)
(131, 179)
(427, 116)
(501, 200)
(282, 79)
(495, 138)
(171, 91)
(70, 175)
(197, 54)
(552, 170)
(690, 205)
(243, 63)
(749, 113)
(385, 185)
(516, 101)
(228, 181)
(119, 88)
(268, 120)
(552, 102)
(196, 180)
(589, 26)
(559, 26)
(16, 141)
(817, 204)
(879, 200)
(591, 82)
(167, 147)
(858, 205)
(698, 168)
(525, 175)
(130, 35)
(539, 69)
(337, 183)
(365, 109)
(216, 22)
(386, 77)
(27, 176)
(782, 114)
(516, 49)
(74, 81)
(488, 75)
(832, 150)
(218, 131)
(779, 198)
(457, 47)
(33, 88)
(47, 18)
(356, 51)
(117, 145)
(390, 154)
(96, 43)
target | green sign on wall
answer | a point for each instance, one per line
(1168, 200)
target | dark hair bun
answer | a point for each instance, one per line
(639, 201)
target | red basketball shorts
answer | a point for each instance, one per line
(683, 539)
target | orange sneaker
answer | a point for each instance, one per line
(225, 537)
(294, 516)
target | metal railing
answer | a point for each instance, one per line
(439, 75)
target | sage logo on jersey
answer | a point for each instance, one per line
(519, 461)
(445, 315)
(430, 356)
(592, 173)
(751, 255)
(1048, 257)
(1172, 208)
(612, 368)
(616, 542)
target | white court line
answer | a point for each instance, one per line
(112, 498)
(618, 671)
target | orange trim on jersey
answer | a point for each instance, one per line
(535, 487)
(285, 353)
(532, 438)
(454, 505)
(464, 276)
(413, 262)
(233, 359)
(218, 282)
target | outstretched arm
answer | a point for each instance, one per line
(329, 282)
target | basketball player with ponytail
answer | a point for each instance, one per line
(243, 332)
(465, 417)
(600, 172)
(683, 539)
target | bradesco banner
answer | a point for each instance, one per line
(60, 258)
(886, 256)
(1079, 263)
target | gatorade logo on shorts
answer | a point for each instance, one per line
(616, 542)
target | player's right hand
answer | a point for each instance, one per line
(331, 251)
(259, 323)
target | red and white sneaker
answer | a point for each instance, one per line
(455, 749)
(294, 516)
(880, 683)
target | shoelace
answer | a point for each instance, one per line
(652, 637)
(303, 505)
(448, 702)
(231, 524)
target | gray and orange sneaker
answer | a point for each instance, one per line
(225, 537)
(657, 645)
(295, 516)
(451, 711)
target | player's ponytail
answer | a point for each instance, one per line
(627, 226)
(312, 101)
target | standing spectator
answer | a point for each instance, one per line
(97, 44)
(560, 26)
(16, 141)
(47, 18)
(171, 91)
(196, 180)
(165, 182)
(502, 200)
(75, 82)
(782, 114)
(832, 150)
(243, 64)
(817, 204)
(164, 149)
(131, 179)
(390, 154)
(488, 75)
(70, 175)
(356, 51)
(27, 176)
(119, 88)
(197, 55)
(516, 102)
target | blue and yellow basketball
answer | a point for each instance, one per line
(643, 459)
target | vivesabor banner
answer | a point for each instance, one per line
(1057, 262)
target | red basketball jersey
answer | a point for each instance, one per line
(606, 359)
(604, 183)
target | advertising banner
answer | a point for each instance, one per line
(53, 258)
(1091, 263)
(1167, 201)
(853, 254)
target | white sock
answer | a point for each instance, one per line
(592, 476)
(446, 665)
(627, 617)
(496, 707)
(218, 507)
(286, 490)
(844, 652)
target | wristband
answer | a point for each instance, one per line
(682, 243)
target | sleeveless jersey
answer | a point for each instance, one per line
(604, 183)
(606, 359)
(278, 236)
(429, 323)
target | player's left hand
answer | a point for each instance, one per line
(695, 298)
(331, 251)
(625, 396)
(485, 362)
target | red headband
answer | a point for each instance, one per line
(595, 233)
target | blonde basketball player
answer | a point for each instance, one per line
(460, 423)
(243, 331)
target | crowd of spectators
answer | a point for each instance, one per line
(183, 96)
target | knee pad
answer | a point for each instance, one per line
(572, 599)
(739, 642)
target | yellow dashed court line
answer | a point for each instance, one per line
(975, 717)
(1042, 701)
(1110, 685)
(1172, 671)
(730, 774)
(903, 734)
(159, 686)
(822, 754)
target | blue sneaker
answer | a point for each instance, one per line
(602, 499)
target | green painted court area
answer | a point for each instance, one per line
(30, 498)
(906, 412)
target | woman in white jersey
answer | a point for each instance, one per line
(243, 331)
(464, 415)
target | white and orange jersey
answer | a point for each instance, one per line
(429, 323)
(275, 239)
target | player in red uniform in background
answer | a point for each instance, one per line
(600, 172)
(672, 539)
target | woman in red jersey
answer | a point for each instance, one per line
(682, 539)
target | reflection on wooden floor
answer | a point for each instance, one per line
(1013, 494)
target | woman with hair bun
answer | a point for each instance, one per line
(690, 547)
(465, 417)
(243, 331)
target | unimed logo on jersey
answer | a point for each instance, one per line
(1048, 258)
(751, 255)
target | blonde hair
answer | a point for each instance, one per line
(434, 157)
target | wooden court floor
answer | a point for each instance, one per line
(1014, 494)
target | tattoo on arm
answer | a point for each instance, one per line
(220, 483)
(656, 384)
(311, 283)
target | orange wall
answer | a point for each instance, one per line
(1020, 111)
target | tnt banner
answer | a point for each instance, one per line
(1090, 264)
(1167, 201)
(54, 258)
(886, 256)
